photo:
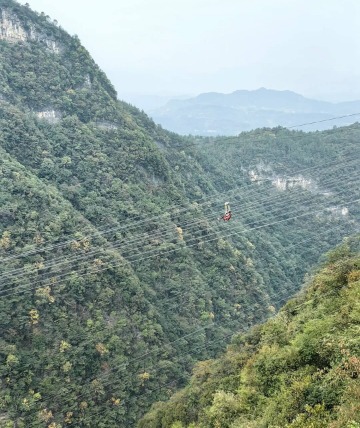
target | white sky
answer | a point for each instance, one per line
(170, 47)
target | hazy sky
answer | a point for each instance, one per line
(169, 47)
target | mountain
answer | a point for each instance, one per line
(116, 275)
(299, 369)
(212, 113)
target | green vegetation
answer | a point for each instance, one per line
(115, 274)
(300, 369)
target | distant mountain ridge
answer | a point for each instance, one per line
(214, 113)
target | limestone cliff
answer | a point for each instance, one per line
(13, 30)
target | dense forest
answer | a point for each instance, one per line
(116, 275)
(300, 369)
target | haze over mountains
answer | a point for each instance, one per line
(212, 113)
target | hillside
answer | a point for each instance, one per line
(300, 369)
(212, 114)
(115, 274)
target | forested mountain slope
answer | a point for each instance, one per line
(115, 274)
(300, 369)
(302, 171)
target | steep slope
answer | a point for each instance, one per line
(55, 331)
(115, 274)
(213, 113)
(300, 369)
(292, 174)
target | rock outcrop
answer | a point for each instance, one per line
(12, 30)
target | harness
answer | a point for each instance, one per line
(227, 216)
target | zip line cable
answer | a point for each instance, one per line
(114, 229)
(136, 224)
(219, 339)
(298, 294)
(130, 244)
(126, 364)
(87, 256)
(139, 259)
(141, 357)
(97, 233)
(141, 238)
(5, 293)
(82, 344)
(125, 261)
(323, 120)
(285, 219)
(231, 137)
(212, 234)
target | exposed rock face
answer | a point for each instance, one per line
(87, 83)
(107, 126)
(51, 116)
(339, 211)
(52, 45)
(264, 172)
(12, 30)
(283, 183)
